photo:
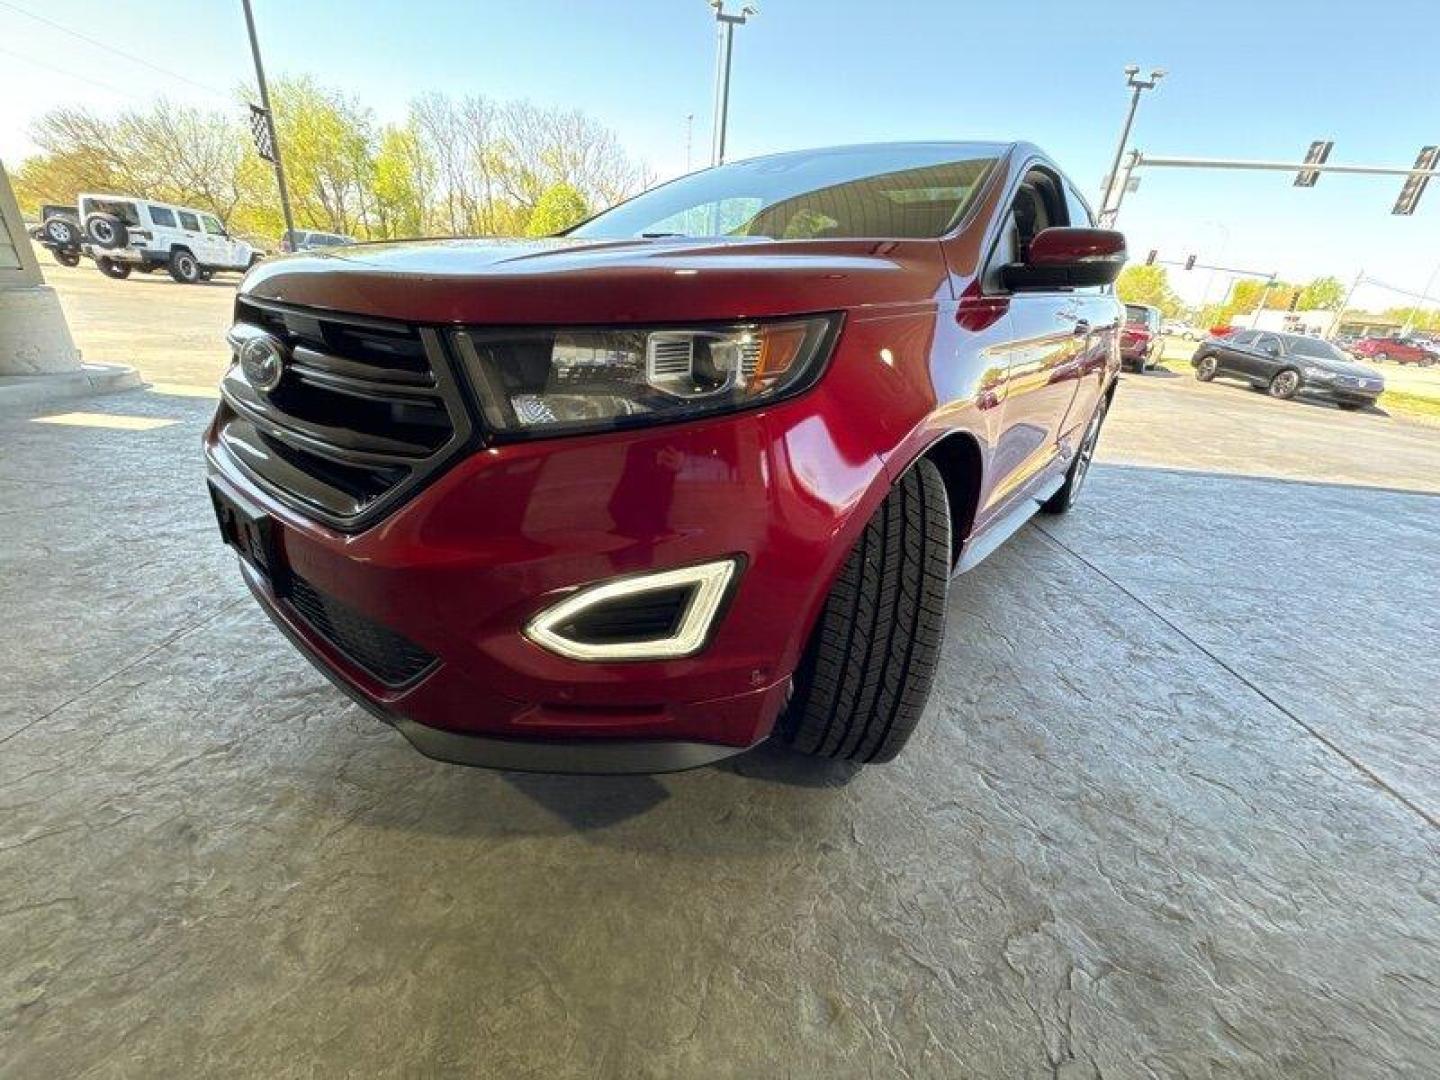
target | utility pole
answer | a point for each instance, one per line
(269, 120)
(1345, 306)
(1137, 86)
(727, 24)
(1264, 295)
(1424, 299)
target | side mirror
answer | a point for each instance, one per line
(1068, 258)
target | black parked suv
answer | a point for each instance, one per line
(1285, 365)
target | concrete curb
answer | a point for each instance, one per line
(20, 392)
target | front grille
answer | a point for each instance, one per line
(365, 412)
(390, 658)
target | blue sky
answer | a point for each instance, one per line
(1256, 79)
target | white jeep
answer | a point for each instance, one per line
(122, 233)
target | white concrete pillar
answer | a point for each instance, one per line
(34, 337)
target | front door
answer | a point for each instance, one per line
(1045, 361)
(219, 241)
(193, 237)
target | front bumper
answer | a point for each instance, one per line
(461, 567)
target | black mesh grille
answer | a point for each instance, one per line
(391, 658)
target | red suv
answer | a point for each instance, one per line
(1140, 339)
(1403, 350)
(633, 498)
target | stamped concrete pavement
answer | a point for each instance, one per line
(1172, 813)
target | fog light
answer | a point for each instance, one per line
(658, 616)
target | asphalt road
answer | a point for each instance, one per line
(174, 334)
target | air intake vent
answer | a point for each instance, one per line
(641, 617)
(656, 616)
(390, 658)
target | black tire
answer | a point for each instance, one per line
(865, 677)
(1382, 356)
(112, 268)
(184, 267)
(1079, 470)
(66, 256)
(61, 231)
(1285, 385)
(1206, 367)
(106, 231)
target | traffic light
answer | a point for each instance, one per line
(1190, 263)
(1294, 299)
(1318, 153)
(1414, 186)
(1150, 259)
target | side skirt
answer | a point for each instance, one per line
(977, 548)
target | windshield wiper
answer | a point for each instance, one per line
(659, 235)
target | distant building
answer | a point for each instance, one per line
(1362, 325)
(1314, 323)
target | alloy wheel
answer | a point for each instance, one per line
(1086, 453)
(1206, 370)
(1284, 385)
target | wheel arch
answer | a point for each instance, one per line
(962, 467)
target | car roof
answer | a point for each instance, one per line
(994, 149)
(140, 199)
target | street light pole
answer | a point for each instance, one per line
(1137, 85)
(269, 121)
(727, 24)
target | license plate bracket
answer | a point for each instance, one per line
(250, 531)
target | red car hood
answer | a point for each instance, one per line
(604, 281)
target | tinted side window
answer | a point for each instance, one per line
(1268, 343)
(189, 221)
(1244, 338)
(162, 217)
(212, 225)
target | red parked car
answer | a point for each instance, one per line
(699, 471)
(1140, 339)
(1402, 350)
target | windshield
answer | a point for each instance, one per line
(891, 192)
(1308, 346)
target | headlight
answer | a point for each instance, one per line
(542, 382)
(1318, 373)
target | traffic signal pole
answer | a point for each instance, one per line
(1410, 195)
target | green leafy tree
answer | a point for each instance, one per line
(404, 179)
(1148, 285)
(559, 207)
(459, 166)
(1322, 294)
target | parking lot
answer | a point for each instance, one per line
(1208, 848)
